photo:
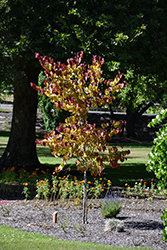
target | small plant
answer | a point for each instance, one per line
(71, 189)
(79, 229)
(63, 225)
(8, 174)
(43, 212)
(5, 210)
(140, 188)
(114, 224)
(42, 188)
(44, 225)
(110, 207)
(26, 191)
(137, 242)
(13, 174)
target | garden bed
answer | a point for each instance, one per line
(142, 222)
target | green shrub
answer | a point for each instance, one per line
(164, 219)
(110, 207)
(51, 116)
(158, 160)
(158, 155)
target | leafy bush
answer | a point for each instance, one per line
(52, 117)
(158, 155)
(158, 160)
(164, 219)
(110, 207)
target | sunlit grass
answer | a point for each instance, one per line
(53, 161)
(137, 155)
(13, 239)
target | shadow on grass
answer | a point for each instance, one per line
(43, 151)
(127, 173)
(4, 133)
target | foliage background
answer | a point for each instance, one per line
(52, 117)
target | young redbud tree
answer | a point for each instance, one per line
(75, 87)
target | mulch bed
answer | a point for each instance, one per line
(142, 222)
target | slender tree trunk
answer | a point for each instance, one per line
(85, 200)
(21, 147)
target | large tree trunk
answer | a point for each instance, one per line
(21, 147)
(130, 123)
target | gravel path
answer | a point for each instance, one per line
(143, 226)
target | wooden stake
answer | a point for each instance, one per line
(55, 217)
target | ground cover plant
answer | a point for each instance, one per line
(110, 206)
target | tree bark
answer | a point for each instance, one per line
(132, 118)
(21, 147)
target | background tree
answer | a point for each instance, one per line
(27, 27)
(129, 33)
(145, 55)
(138, 95)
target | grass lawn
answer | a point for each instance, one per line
(17, 240)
